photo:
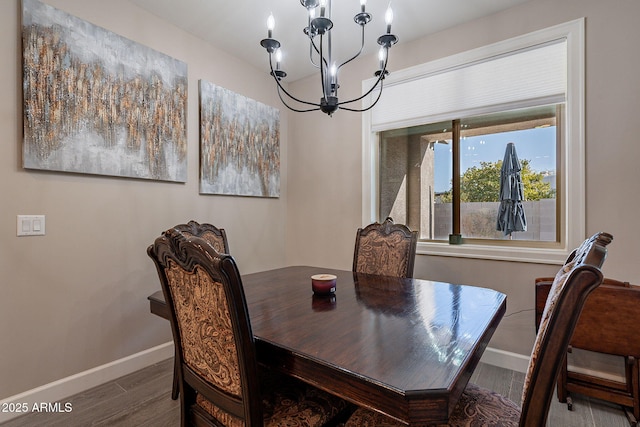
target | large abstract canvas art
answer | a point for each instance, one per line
(98, 103)
(239, 144)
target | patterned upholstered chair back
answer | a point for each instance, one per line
(212, 234)
(386, 249)
(572, 285)
(217, 238)
(211, 328)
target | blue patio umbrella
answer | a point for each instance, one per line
(511, 216)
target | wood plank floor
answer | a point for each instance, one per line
(142, 399)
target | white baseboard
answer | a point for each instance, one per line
(505, 359)
(58, 390)
(520, 363)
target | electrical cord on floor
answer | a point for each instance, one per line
(518, 312)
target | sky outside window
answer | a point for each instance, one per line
(536, 145)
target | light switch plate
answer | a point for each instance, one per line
(31, 225)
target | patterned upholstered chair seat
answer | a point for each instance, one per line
(477, 407)
(286, 402)
(480, 407)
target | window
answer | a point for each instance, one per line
(439, 133)
(417, 186)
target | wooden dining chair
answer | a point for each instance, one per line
(217, 238)
(219, 380)
(481, 407)
(386, 249)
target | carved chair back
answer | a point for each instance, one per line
(386, 249)
(212, 234)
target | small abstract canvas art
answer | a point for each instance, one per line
(98, 103)
(239, 144)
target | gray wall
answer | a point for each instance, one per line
(76, 298)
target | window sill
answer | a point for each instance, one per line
(555, 256)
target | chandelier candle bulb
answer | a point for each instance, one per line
(271, 23)
(388, 18)
(363, 3)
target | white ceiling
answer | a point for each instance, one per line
(237, 26)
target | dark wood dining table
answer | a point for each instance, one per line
(404, 347)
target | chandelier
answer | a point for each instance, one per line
(318, 30)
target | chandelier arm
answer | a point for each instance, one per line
(319, 54)
(357, 54)
(369, 107)
(324, 90)
(312, 46)
(295, 109)
(280, 87)
(380, 78)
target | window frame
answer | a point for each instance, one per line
(571, 186)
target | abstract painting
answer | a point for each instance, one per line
(239, 144)
(98, 103)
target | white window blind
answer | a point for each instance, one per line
(535, 75)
